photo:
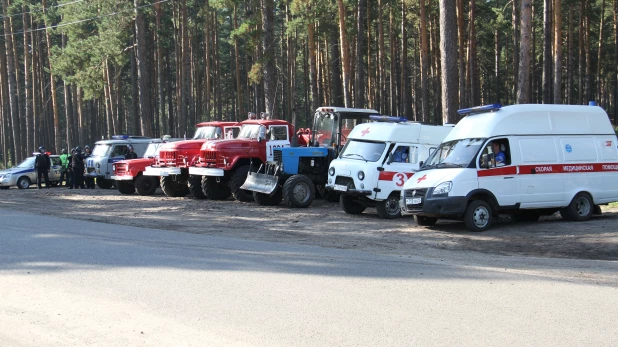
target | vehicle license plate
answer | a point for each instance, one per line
(341, 188)
(414, 201)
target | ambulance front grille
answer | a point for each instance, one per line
(415, 193)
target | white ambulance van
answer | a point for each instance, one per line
(378, 159)
(523, 160)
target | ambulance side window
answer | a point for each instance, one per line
(401, 154)
(498, 151)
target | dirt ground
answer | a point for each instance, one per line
(323, 224)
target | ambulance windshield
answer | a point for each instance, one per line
(208, 132)
(363, 150)
(458, 153)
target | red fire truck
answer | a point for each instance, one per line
(223, 165)
(175, 159)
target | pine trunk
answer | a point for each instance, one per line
(558, 51)
(359, 76)
(344, 54)
(523, 80)
(424, 64)
(448, 48)
(547, 29)
(145, 115)
(268, 43)
(18, 154)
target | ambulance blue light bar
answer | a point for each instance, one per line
(479, 109)
(379, 118)
(120, 137)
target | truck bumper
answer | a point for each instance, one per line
(122, 178)
(162, 171)
(205, 171)
(355, 192)
(450, 206)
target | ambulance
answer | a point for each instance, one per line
(378, 158)
(522, 160)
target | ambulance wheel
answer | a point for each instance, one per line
(23, 183)
(173, 188)
(350, 206)
(236, 181)
(425, 221)
(125, 187)
(104, 184)
(527, 216)
(268, 200)
(389, 208)
(214, 190)
(298, 191)
(580, 208)
(195, 187)
(478, 216)
(326, 194)
(145, 185)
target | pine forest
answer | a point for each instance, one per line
(75, 71)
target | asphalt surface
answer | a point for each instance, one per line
(70, 282)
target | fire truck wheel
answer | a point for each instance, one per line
(145, 185)
(173, 188)
(104, 184)
(425, 221)
(125, 187)
(389, 208)
(580, 208)
(214, 190)
(326, 194)
(350, 206)
(298, 191)
(236, 181)
(268, 200)
(195, 187)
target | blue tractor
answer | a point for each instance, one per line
(296, 173)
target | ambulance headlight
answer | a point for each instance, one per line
(443, 188)
(361, 175)
(331, 171)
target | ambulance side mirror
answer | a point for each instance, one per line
(485, 162)
(420, 164)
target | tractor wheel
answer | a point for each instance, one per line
(326, 194)
(125, 187)
(389, 208)
(173, 188)
(236, 181)
(214, 190)
(478, 216)
(298, 191)
(145, 185)
(195, 187)
(268, 200)
(350, 206)
(425, 221)
(23, 183)
(104, 184)
(580, 208)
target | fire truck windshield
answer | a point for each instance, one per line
(208, 132)
(152, 150)
(252, 131)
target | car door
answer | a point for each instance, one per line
(500, 179)
(54, 171)
(401, 163)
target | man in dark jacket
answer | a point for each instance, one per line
(42, 164)
(78, 169)
(88, 179)
(130, 153)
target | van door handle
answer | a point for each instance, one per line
(508, 177)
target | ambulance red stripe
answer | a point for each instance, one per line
(542, 169)
(388, 175)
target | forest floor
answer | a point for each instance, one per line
(324, 224)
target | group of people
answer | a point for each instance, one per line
(71, 172)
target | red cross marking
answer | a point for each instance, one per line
(365, 132)
(421, 179)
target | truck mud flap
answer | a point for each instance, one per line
(261, 183)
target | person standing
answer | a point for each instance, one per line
(130, 153)
(64, 163)
(78, 169)
(70, 169)
(42, 164)
(89, 180)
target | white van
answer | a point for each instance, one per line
(107, 152)
(523, 160)
(378, 159)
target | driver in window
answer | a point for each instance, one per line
(401, 155)
(500, 159)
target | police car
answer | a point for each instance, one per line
(24, 174)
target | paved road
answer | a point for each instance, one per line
(67, 282)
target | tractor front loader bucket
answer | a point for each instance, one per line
(261, 183)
